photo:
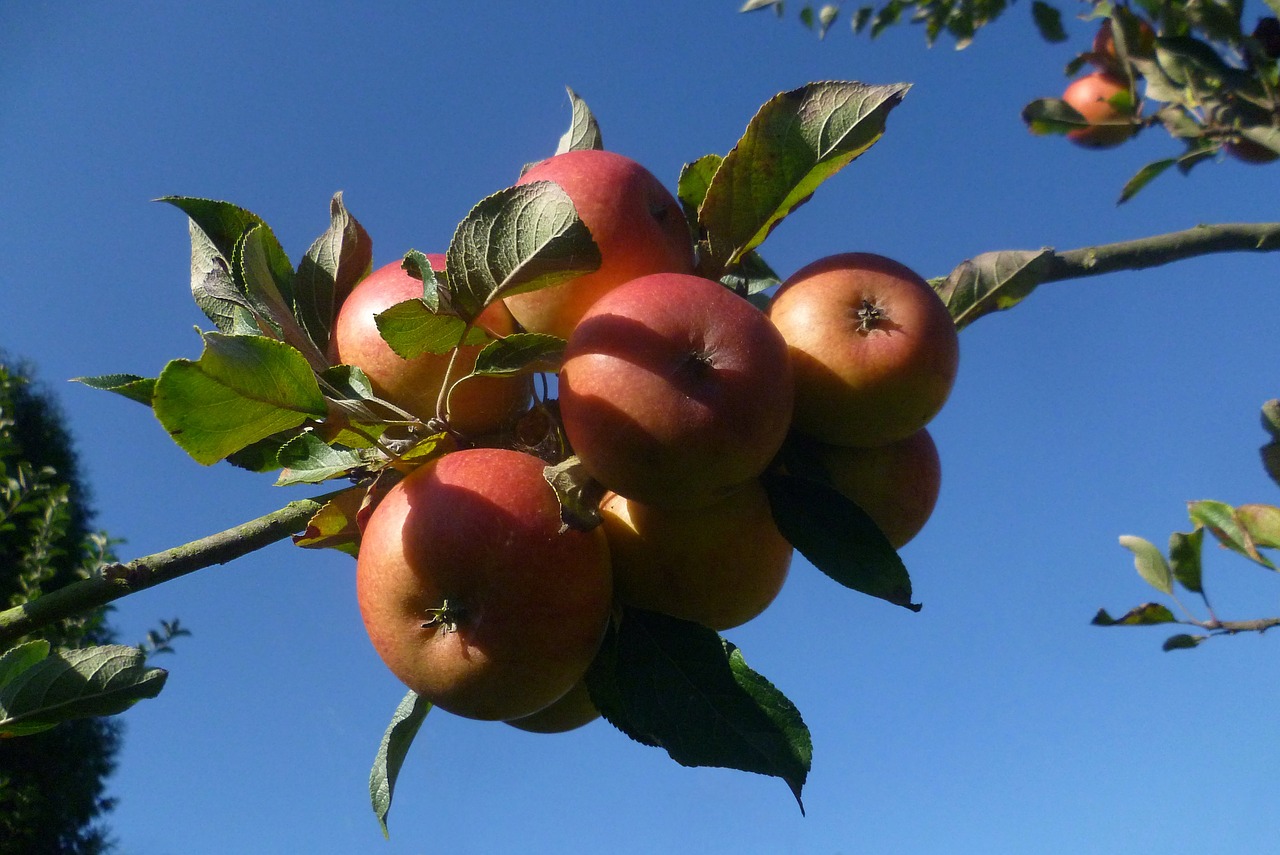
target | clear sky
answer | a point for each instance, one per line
(995, 720)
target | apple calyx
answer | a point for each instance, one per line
(871, 316)
(446, 617)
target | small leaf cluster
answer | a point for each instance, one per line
(960, 19)
(1246, 530)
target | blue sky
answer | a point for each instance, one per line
(995, 720)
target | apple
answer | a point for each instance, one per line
(475, 406)
(675, 391)
(1104, 55)
(874, 349)
(571, 712)
(637, 224)
(719, 566)
(896, 484)
(471, 593)
(1091, 96)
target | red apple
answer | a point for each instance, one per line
(719, 566)
(1091, 96)
(471, 593)
(475, 406)
(637, 224)
(874, 349)
(675, 391)
(571, 712)
(896, 484)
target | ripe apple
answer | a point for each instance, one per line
(571, 712)
(874, 349)
(1091, 97)
(471, 593)
(675, 391)
(896, 484)
(1103, 54)
(476, 406)
(637, 224)
(719, 566)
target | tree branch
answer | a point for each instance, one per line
(113, 581)
(1163, 249)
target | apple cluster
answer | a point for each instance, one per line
(674, 399)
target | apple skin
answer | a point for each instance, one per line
(1090, 95)
(476, 406)
(719, 566)
(571, 712)
(896, 484)
(479, 529)
(637, 224)
(675, 391)
(865, 383)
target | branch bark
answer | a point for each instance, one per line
(113, 581)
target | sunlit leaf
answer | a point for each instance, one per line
(520, 239)
(307, 459)
(399, 736)
(131, 386)
(335, 525)
(412, 329)
(992, 282)
(520, 353)
(19, 658)
(241, 390)
(1150, 562)
(695, 178)
(1220, 519)
(71, 684)
(796, 141)
(584, 130)
(578, 493)
(1261, 523)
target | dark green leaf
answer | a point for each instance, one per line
(417, 265)
(1048, 21)
(520, 239)
(131, 386)
(404, 726)
(838, 538)
(267, 279)
(332, 266)
(992, 282)
(695, 178)
(1184, 558)
(1147, 614)
(1145, 176)
(584, 130)
(216, 228)
(750, 276)
(263, 455)
(679, 686)
(1149, 562)
(241, 390)
(1183, 642)
(520, 353)
(412, 329)
(71, 684)
(796, 141)
(1052, 116)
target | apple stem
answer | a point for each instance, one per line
(446, 617)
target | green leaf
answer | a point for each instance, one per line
(750, 276)
(584, 130)
(827, 16)
(412, 329)
(1048, 20)
(404, 726)
(1147, 614)
(678, 685)
(796, 141)
(71, 684)
(752, 5)
(267, 279)
(519, 239)
(417, 265)
(695, 178)
(17, 659)
(1150, 562)
(1182, 642)
(216, 228)
(838, 538)
(992, 282)
(307, 459)
(131, 386)
(520, 353)
(1220, 519)
(1052, 116)
(1261, 523)
(1184, 558)
(263, 455)
(332, 266)
(243, 388)
(1145, 176)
